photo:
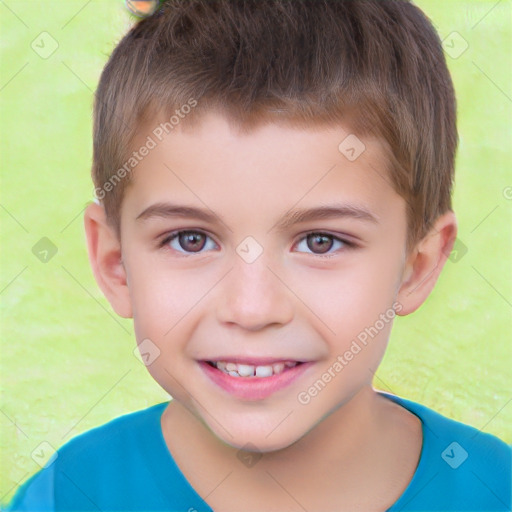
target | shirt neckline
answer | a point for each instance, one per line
(426, 448)
(179, 491)
(166, 464)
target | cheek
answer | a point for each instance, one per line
(348, 299)
(159, 300)
(162, 311)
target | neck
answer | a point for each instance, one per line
(363, 453)
(338, 436)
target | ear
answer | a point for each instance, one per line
(105, 258)
(425, 262)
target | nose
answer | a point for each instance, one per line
(254, 296)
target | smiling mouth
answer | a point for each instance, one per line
(253, 371)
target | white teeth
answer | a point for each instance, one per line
(246, 370)
(264, 371)
(249, 370)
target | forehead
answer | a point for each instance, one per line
(214, 162)
(212, 123)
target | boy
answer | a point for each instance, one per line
(254, 130)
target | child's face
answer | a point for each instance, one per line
(214, 297)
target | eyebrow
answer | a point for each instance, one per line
(334, 211)
(169, 210)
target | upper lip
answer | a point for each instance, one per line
(256, 361)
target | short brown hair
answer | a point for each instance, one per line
(376, 64)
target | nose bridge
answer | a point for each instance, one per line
(253, 296)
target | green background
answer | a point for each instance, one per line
(67, 361)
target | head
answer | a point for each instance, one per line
(252, 111)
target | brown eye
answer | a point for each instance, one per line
(188, 242)
(319, 243)
(191, 240)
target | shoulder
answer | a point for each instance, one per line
(94, 466)
(113, 434)
(36, 494)
(460, 468)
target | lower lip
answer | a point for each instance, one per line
(254, 388)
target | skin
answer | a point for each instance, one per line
(354, 449)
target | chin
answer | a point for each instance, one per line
(258, 443)
(253, 436)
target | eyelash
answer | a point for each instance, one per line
(175, 234)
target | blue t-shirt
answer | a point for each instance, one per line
(125, 465)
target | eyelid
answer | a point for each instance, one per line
(342, 237)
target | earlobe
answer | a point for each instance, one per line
(104, 250)
(425, 263)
